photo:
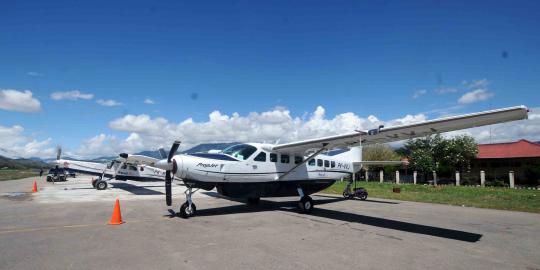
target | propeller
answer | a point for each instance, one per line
(173, 168)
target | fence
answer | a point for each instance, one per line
(459, 179)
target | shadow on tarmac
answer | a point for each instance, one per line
(291, 206)
(137, 190)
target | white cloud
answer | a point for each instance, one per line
(14, 143)
(34, 74)
(482, 83)
(475, 96)
(71, 95)
(108, 102)
(146, 132)
(149, 101)
(445, 90)
(19, 101)
(419, 93)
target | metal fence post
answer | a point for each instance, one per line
(482, 178)
(434, 178)
(367, 175)
(511, 178)
(397, 177)
(457, 178)
(381, 176)
(414, 175)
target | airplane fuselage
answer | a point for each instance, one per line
(261, 174)
(126, 172)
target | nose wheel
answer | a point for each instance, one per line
(188, 209)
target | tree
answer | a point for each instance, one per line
(429, 153)
(460, 151)
(378, 152)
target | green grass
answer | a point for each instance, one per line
(489, 197)
(17, 174)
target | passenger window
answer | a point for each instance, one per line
(260, 157)
(311, 162)
(326, 163)
(319, 162)
(297, 160)
(332, 164)
(284, 158)
(273, 157)
(133, 168)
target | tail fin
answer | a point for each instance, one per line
(162, 153)
(353, 155)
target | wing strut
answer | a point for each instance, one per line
(323, 148)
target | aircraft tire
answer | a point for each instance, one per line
(185, 212)
(101, 185)
(305, 204)
(253, 201)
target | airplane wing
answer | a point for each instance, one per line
(141, 160)
(404, 132)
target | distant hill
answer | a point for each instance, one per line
(22, 163)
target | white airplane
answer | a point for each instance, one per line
(125, 167)
(254, 170)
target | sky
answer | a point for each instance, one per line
(99, 78)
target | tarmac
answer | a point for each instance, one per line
(64, 226)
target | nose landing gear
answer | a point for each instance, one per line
(188, 209)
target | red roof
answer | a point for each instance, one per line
(521, 148)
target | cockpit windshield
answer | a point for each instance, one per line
(240, 151)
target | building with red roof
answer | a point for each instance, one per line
(497, 159)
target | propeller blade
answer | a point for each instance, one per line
(174, 147)
(168, 191)
(168, 177)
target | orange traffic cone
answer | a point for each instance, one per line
(34, 188)
(116, 218)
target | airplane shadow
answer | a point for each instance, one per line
(291, 206)
(137, 190)
(355, 199)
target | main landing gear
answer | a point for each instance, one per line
(306, 202)
(188, 209)
(99, 184)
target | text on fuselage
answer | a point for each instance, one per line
(207, 165)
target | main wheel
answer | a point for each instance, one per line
(362, 196)
(253, 201)
(186, 211)
(101, 185)
(305, 204)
